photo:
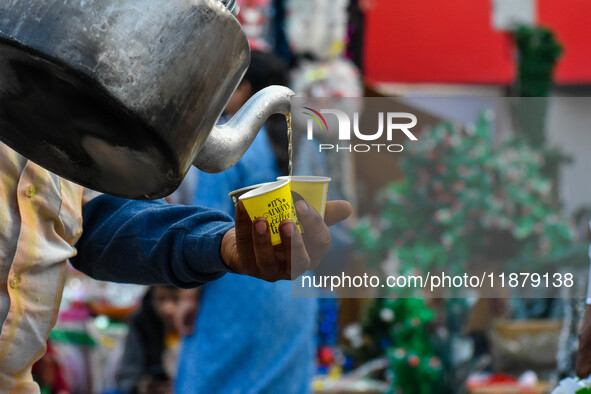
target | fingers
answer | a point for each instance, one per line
(243, 224)
(337, 211)
(294, 249)
(316, 234)
(264, 252)
(238, 245)
(248, 250)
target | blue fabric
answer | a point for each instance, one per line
(250, 336)
(151, 242)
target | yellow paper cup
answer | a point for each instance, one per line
(313, 189)
(235, 195)
(273, 202)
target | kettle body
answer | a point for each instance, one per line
(117, 95)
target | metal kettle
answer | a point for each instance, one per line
(122, 96)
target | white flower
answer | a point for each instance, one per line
(391, 266)
(353, 333)
(443, 215)
(571, 385)
(387, 315)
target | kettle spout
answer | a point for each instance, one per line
(226, 144)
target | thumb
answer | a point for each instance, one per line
(337, 211)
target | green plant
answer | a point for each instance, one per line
(465, 201)
(538, 53)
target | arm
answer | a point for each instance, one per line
(151, 242)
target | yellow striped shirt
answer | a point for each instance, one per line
(40, 221)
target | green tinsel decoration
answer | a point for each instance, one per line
(464, 201)
(538, 53)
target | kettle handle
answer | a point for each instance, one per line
(226, 144)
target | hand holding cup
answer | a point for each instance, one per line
(247, 248)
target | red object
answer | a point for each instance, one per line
(497, 379)
(77, 313)
(413, 361)
(501, 378)
(325, 356)
(434, 41)
(570, 21)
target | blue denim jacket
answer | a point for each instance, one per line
(151, 242)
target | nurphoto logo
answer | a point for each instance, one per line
(388, 122)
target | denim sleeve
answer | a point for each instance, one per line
(151, 242)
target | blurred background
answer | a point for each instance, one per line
(534, 207)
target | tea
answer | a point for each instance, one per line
(289, 145)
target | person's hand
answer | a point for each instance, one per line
(584, 354)
(149, 385)
(187, 310)
(247, 248)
